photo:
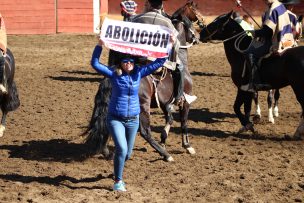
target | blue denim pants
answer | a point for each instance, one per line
(123, 131)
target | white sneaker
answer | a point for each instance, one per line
(3, 89)
(189, 98)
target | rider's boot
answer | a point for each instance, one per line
(3, 88)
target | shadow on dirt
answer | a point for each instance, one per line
(206, 116)
(81, 72)
(201, 115)
(196, 73)
(57, 150)
(60, 180)
(75, 79)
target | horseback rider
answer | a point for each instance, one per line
(3, 45)
(295, 25)
(274, 37)
(155, 14)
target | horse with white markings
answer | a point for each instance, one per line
(10, 100)
(277, 70)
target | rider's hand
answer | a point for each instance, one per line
(172, 38)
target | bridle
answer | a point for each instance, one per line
(210, 34)
(239, 37)
(193, 11)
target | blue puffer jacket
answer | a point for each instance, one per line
(124, 100)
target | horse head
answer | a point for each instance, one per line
(221, 28)
(183, 20)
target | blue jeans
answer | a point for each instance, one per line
(123, 132)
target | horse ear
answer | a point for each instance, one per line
(230, 13)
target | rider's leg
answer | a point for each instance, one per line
(252, 72)
(180, 92)
(2, 74)
(255, 75)
(178, 82)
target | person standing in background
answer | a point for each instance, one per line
(128, 9)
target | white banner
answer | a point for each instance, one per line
(136, 38)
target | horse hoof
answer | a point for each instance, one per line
(271, 120)
(298, 135)
(250, 127)
(276, 112)
(170, 159)
(2, 129)
(191, 150)
(256, 119)
(242, 129)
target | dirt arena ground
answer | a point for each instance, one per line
(43, 159)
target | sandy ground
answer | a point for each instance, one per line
(43, 158)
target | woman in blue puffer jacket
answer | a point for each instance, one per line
(124, 108)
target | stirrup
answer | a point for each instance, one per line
(189, 98)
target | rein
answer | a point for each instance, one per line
(163, 75)
(155, 81)
(240, 36)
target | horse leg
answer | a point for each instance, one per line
(257, 106)
(298, 90)
(3, 123)
(169, 121)
(276, 102)
(184, 126)
(145, 132)
(245, 98)
(270, 98)
(258, 115)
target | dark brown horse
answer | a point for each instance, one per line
(278, 71)
(10, 100)
(155, 92)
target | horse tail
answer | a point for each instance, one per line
(97, 129)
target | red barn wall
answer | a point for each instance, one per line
(104, 6)
(29, 16)
(75, 16)
(207, 7)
